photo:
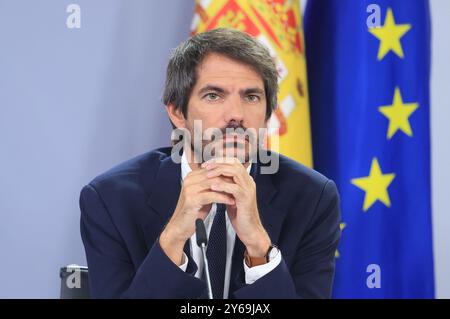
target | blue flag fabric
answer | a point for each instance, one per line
(369, 97)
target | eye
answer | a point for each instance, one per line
(212, 96)
(253, 98)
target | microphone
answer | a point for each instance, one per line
(202, 242)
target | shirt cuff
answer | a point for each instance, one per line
(184, 263)
(254, 273)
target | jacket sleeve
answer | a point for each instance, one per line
(312, 271)
(111, 271)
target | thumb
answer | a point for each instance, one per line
(204, 211)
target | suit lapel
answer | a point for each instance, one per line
(165, 190)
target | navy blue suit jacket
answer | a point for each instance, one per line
(124, 210)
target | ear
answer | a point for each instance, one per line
(176, 116)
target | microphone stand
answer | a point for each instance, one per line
(202, 242)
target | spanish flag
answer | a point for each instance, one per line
(277, 24)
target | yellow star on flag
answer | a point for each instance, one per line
(398, 114)
(375, 185)
(341, 227)
(389, 35)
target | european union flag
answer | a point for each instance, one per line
(368, 70)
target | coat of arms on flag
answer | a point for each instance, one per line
(277, 24)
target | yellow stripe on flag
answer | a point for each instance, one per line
(277, 24)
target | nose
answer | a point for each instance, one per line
(234, 111)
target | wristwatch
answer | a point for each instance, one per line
(256, 261)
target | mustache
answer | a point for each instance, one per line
(238, 129)
(234, 127)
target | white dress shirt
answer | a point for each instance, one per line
(251, 274)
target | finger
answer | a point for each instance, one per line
(195, 177)
(229, 188)
(222, 160)
(232, 212)
(239, 176)
(195, 172)
(232, 162)
(215, 197)
(206, 184)
(204, 211)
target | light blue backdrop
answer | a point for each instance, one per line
(73, 102)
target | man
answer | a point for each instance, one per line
(270, 235)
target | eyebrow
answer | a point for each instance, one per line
(215, 88)
(209, 88)
(252, 91)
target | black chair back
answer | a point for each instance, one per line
(74, 282)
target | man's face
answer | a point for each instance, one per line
(227, 95)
